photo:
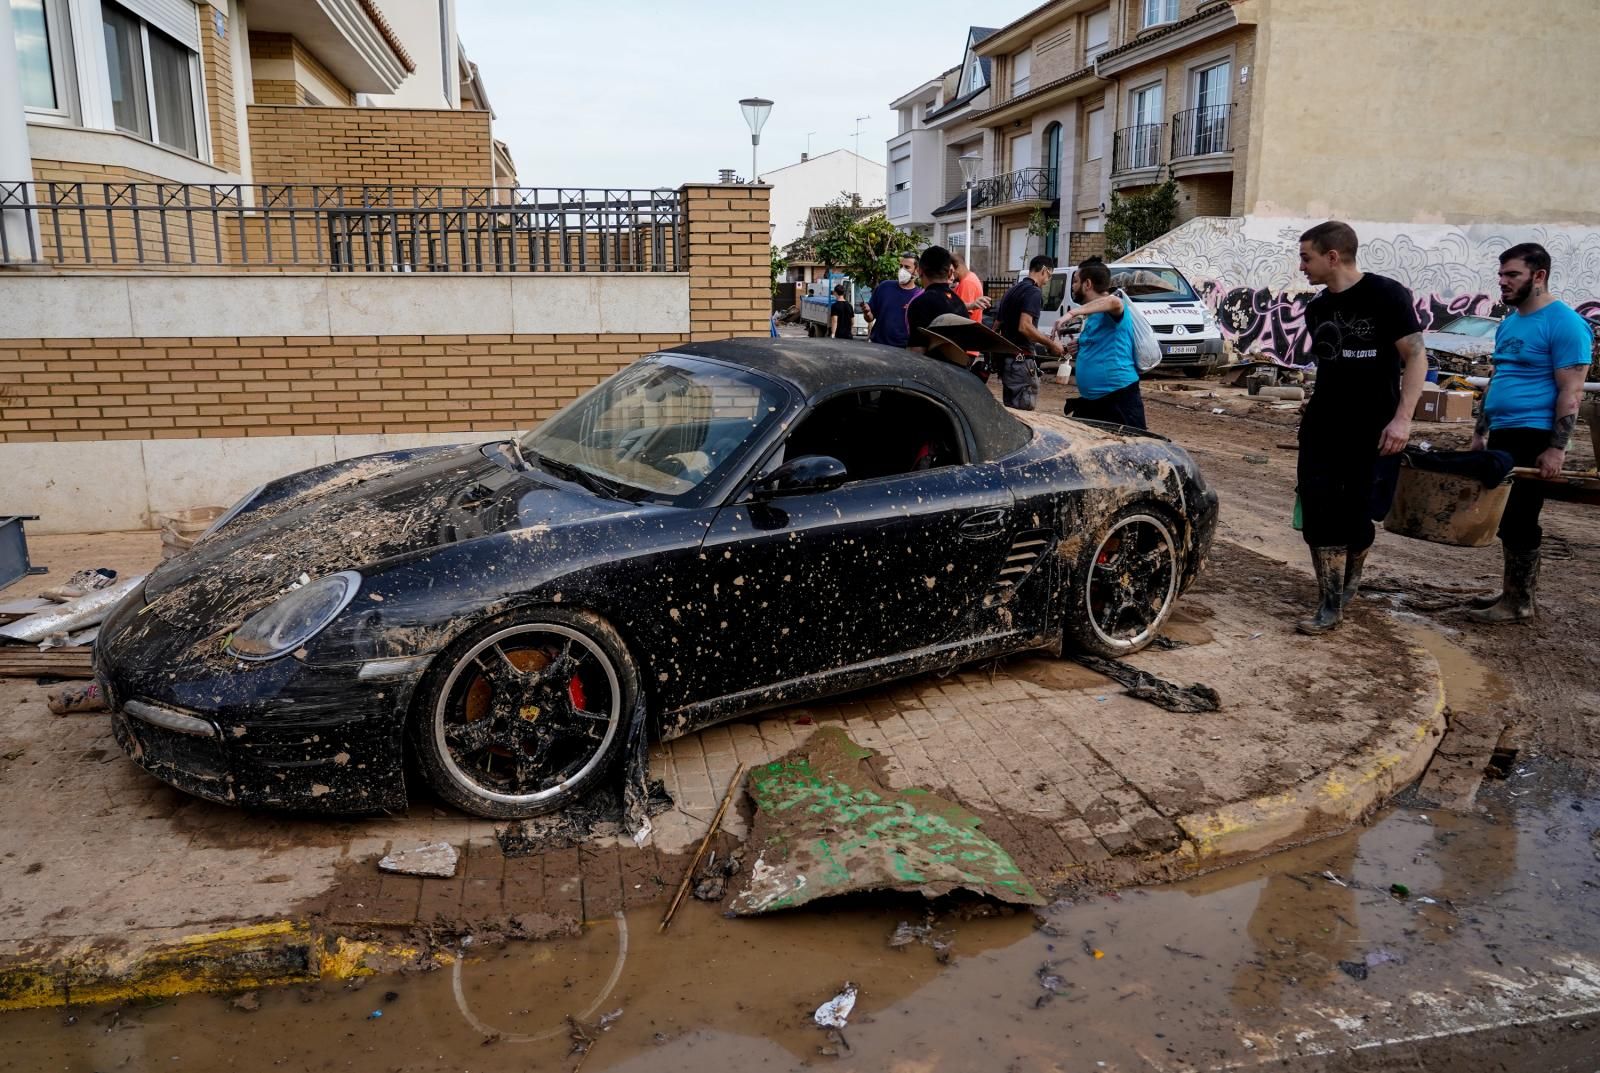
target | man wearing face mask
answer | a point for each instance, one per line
(886, 309)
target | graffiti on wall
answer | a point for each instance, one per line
(1248, 272)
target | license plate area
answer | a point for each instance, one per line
(1183, 348)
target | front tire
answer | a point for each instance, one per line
(1126, 585)
(525, 714)
(1199, 372)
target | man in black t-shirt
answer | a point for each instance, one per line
(1363, 328)
(1017, 318)
(840, 315)
(936, 298)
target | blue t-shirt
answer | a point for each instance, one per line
(1527, 352)
(888, 304)
(1105, 355)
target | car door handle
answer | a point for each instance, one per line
(985, 523)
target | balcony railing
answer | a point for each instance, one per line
(899, 204)
(341, 228)
(1136, 148)
(1202, 131)
(1028, 184)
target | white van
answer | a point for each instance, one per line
(1185, 326)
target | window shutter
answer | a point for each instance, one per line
(175, 18)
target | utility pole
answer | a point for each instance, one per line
(859, 118)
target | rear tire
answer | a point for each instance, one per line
(1199, 373)
(525, 714)
(1125, 584)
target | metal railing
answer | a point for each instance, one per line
(1027, 184)
(1203, 131)
(1135, 148)
(342, 228)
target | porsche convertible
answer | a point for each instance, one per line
(718, 529)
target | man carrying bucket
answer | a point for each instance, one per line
(1363, 329)
(1541, 355)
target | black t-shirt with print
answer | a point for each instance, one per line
(846, 314)
(1353, 336)
(936, 300)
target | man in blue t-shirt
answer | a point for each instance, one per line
(1541, 356)
(1107, 372)
(886, 309)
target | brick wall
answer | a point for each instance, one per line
(178, 388)
(71, 389)
(286, 73)
(409, 146)
(277, 91)
(216, 63)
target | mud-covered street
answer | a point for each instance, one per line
(1453, 929)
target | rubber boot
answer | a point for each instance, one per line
(1329, 564)
(1517, 602)
(1353, 565)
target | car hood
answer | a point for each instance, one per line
(358, 513)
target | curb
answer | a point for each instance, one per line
(1342, 794)
(271, 954)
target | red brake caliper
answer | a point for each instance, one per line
(575, 691)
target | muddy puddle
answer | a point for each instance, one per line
(1307, 953)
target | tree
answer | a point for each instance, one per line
(858, 239)
(780, 265)
(1137, 219)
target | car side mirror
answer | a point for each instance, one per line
(808, 473)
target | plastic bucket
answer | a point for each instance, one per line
(1446, 509)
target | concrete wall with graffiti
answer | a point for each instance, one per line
(1248, 272)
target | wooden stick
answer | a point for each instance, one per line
(716, 822)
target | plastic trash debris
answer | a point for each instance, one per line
(1331, 878)
(1356, 970)
(1399, 890)
(374, 1015)
(430, 859)
(1382, 956)
(75, 697)
(835, 1013)
(1425, 900)
(84, 581)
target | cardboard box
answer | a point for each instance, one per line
(1447, 407)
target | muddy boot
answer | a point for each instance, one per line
(1353, 566)
(1329, 564)
(1516, 603)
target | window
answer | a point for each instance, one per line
(876, 434)
(154, 82)
(1096, 35)
(1052, 157)
(1021, 70)
(1157, 12)
(1147, 106)
(1021, 152)
(1095, 135)
(43, 54)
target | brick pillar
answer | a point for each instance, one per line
(216, 65)
(728, 246)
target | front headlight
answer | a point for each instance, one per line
(294, 618)
(229, 514)
(1209, 318)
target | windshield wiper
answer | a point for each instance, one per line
(569, 472)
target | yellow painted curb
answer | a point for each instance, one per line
(271, 954)
(1343, 793)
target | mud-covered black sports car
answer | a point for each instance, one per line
(717, 529)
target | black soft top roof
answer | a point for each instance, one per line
(816, 366)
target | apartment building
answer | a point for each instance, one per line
(103, 101)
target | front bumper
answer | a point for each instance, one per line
(282, 734)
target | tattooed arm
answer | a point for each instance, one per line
(1569, 394)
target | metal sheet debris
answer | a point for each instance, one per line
(826, 825)
(436, 859)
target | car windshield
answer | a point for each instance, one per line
(1149, 284)
(1477, 327)
(659, 429)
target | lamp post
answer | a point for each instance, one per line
(969, 175)
(755, 114)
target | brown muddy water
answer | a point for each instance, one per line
(1429, 940)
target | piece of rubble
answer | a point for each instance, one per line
(75, 697)
(835, 1013)
(430, 859)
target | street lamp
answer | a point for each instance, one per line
(969, 175)
(755, 114)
